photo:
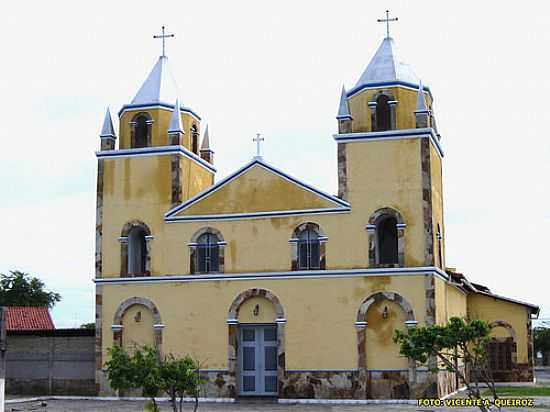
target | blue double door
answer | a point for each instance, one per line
(258, 360)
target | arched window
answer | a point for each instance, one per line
(135, 242)
(207, 251)
(383, 113)
(386, 231)
(308, 247)
(308, 250)
(137, 251)
(141, 131)
(386, 234)
(439, 237)
(194, 139)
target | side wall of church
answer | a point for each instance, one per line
(516, 320)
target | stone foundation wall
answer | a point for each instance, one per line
(220, 384)
(321, 385)
(521, 372)
(341, 385)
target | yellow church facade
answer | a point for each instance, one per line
(276, 287)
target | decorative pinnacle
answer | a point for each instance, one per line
(175, 125)
(421, 106)
(343, 108)
(205, 140)
(108, 130)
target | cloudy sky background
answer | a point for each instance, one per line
(275, 68)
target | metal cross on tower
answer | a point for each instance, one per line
(258, 141)
(163, 37)
(387, 20)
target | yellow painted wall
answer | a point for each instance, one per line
(440, 301)
(129, 195)
(405, 108)
(194, 178)
(135, 333)
(140, 188)
(161, 120)
(258, 190)
(437, 204)
(456, 302)
(490, 310)
(320, 328)
(266, 311)
(388, 174)
(382, 351)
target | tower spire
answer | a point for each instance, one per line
(205, 140)
(343, 108)
(107, 134)
(206, 152)
(175, 122)
(175, 128)
(422, 113)
(421, 106)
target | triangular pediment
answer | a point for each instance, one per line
(257, 190)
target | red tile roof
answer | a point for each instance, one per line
(28, 318)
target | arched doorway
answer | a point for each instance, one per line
(377, 319)
(137, 322)
(502, 349)
(256, 343)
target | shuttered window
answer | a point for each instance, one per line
(500, 354)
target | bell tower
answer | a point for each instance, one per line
(390, 155)
(156, 166)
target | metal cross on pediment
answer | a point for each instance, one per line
(258, 141)
(163, 36)
(387, 20)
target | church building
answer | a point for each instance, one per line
(279, 288)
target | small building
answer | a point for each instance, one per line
(43, 360)
(278, 287)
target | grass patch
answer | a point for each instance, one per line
(521, 391)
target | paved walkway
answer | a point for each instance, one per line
(134, 406)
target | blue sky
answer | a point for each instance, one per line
(275, 68)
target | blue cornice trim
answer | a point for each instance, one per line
(256, 215)
(155, 151)
(346, 117)
(242, 170)
(392, 135)
(394, 83)
(303, 274)
(158, 105)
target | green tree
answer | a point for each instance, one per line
(178, 377)
(89, 325)
(541, 337)
(181, 378)
(458, 342)
(21, 289)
